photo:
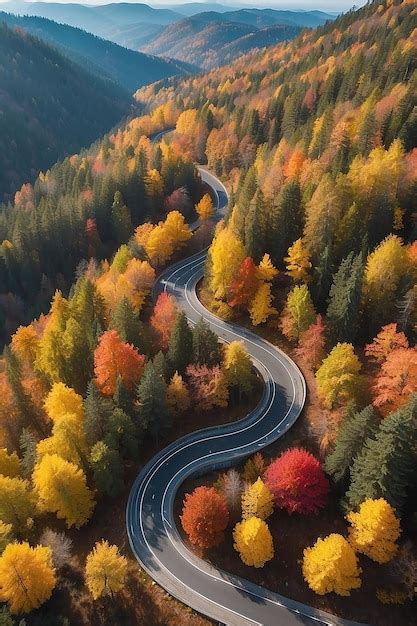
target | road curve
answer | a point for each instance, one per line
(151, 528)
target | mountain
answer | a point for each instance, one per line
(134, 36)
(267, 17)
(130, 13)
(128, 68)
(49, 107)
(211, 39)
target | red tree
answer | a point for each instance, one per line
(311, 344)
(397, 379)
(297, 482)
(205, 517)
(113, 358)
(163, 318)
(244, 286)
(387, 340)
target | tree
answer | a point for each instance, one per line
(297, 482)
(178, 398)
(123, 435)
(387, 340)
(338, 377)
(152, 400)
(105, 570)
(238, 368)
(285, 223)
(9, 464)
(27, 577)
(299, 312)
(113, 358)
(125, 320)
(384, 466)
(62, 399)
(311, 344)
(245, 285)
(68, 440)
(298, 262)
(204, 208)
(254, 468)
(397, 379)
(253, 541)
(225, 255)
(180, 351)
(374, 530)
(207, 386)
(231, 486)
(17, 503)
(257, 500)
(356, 427)
(6, 536)
(107, 466)
(60, 545)
(204, 517)
(206, 346)
(331, 566)
(121, 219)
(97, 413)
(62, 489)
(343, 312)
(261, 305)
(163, 318)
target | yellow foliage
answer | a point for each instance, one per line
(298, 262)
(105, 570)
(266, 269)
(375, 530)
(62, 489)
(25, 343)
(176, 229)
(338, 376)
(6, 535)
(331, 566)
(178, 398)
(61, 400)
(17, 503)
(9, 463)
(204, 208)
(238, 366)
(260, 307)
(257, 501)
(27, 577)
(253, 541)
(68, 440)
(226, 255)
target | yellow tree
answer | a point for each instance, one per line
(17, 503)
(331, 566)
(257, 501)
(6, 535)
(238, 367)
(204, 208)
(178, 398)
(298, 262)
(260, 307)
(68, 440)
(176, 228)
(62, 399)
(266, 269)
(27, 577)
(159, 246)
(226, 255)
(253, 541)
(338, 376)
(25, 344)
(299, 312)
(62, 489)
(9, 463)
(375, 530)
(105, 570)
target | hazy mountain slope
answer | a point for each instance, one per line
(49, 107)
(134, 36)
(128, 68)
(131, 13)
(210, 39)
(267, 17)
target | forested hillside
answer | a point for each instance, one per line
(49, 106)
(105, 59)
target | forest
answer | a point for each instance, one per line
(316, 142)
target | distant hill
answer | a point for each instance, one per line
(130, 13)
(49, 107)
(128, 68)
(134, 36)
(211, 39)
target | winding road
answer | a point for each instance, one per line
(153, 535)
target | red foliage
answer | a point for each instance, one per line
(311, 344)
(179, 200)
(205, 517)
(163, 318)
(244, 286)
(113, 358)
(297, 482)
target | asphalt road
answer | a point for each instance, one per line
(152, 532)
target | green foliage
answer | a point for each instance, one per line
(180, 351)
(107, 466)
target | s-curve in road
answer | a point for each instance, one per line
(152, 532)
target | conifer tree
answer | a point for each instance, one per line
(343, 311)
(151, 395)
(125, 319)
(286, 221)
(121, 220)
(206, 347)
(107, 467)
(180, 351)
(123, 434)
(255, 227)
(97, 410)
(299, 312)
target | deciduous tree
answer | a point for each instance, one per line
(338, 377)
(204, 517)
(257, 500)
(299, 312)
(397, 379)
(387, 340)
(113, 358)
(311, 344)
(204, 208)
(374, 530)
(261, 305)
(253, 541)
(298, 262)
(17, 503)
(105, 570)
(178, 398)
(9, 464)
(163, 318)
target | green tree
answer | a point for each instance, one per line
(151, 395)
(206, 347)
(343, 312)
(180, 350)
(127, 323)
(121, 219)
(107, 466)
(285, 221)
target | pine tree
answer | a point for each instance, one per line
(123, 434)
(206, 347)
(125, 319)
(356, 427)
(107, 467)
(343, 312)
(384, 466)
(255, 227)
(299, 312)
(151, 394)
(286, 221)
(180, 351)
(97, 411)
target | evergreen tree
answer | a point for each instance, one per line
(255, 227)
(206, 347)
(151, 394)
(384, 466)
(343, 311)
(121, 220)
(122, 398)
(107, 467)
(123, 435)
(27, 444)
(127, 323)
(180, 351)
(97, 411)
(286, 221)
(356, 427)
(160, 364)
